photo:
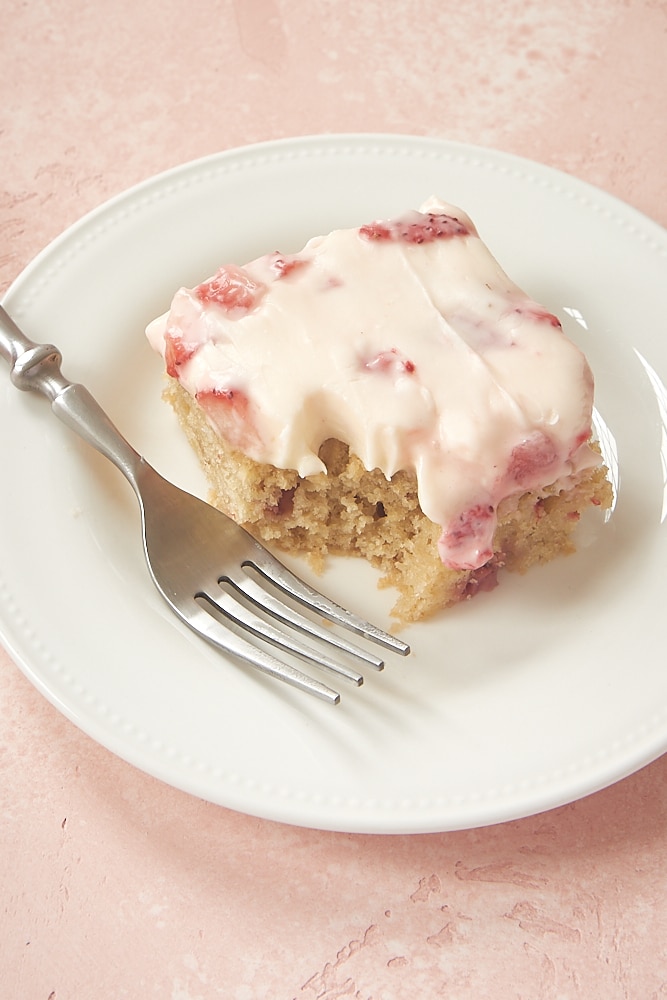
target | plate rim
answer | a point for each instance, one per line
(275, 146)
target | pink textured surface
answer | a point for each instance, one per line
(116, 885)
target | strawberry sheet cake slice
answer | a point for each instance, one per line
(388, 392)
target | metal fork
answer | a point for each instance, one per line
(207, 568)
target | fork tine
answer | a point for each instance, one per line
(278, 574)
(227, 605)
(267, 602)
(226, 639)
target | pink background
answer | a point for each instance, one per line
(115, 885)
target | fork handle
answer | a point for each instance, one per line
(36, 367)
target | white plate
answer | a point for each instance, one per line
(549, 688)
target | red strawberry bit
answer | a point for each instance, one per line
(482, 580)
(580, 439)
(284, 506)
(416, 227)
(532, 455)
(229, 411)
(539, 315)
(471, 522)
(282, 264)
(390, 362)
(176, 353)
(231, 287)
(458, 541)
(377, 231)
(228, 398)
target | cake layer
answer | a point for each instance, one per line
(349, 510)
(405, 340)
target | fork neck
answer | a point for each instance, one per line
(36, 367)
(75, 406)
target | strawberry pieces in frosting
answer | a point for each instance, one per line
(416, 227)
(283, 264)
(532, 458)
(230, 411)
(390, 362)
(467, 543)
(538, 314)
(176, 352)
(233, 288)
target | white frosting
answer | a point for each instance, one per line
(420, 355)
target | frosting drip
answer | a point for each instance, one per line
(405, 339)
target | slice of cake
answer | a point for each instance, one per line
(388, 392)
